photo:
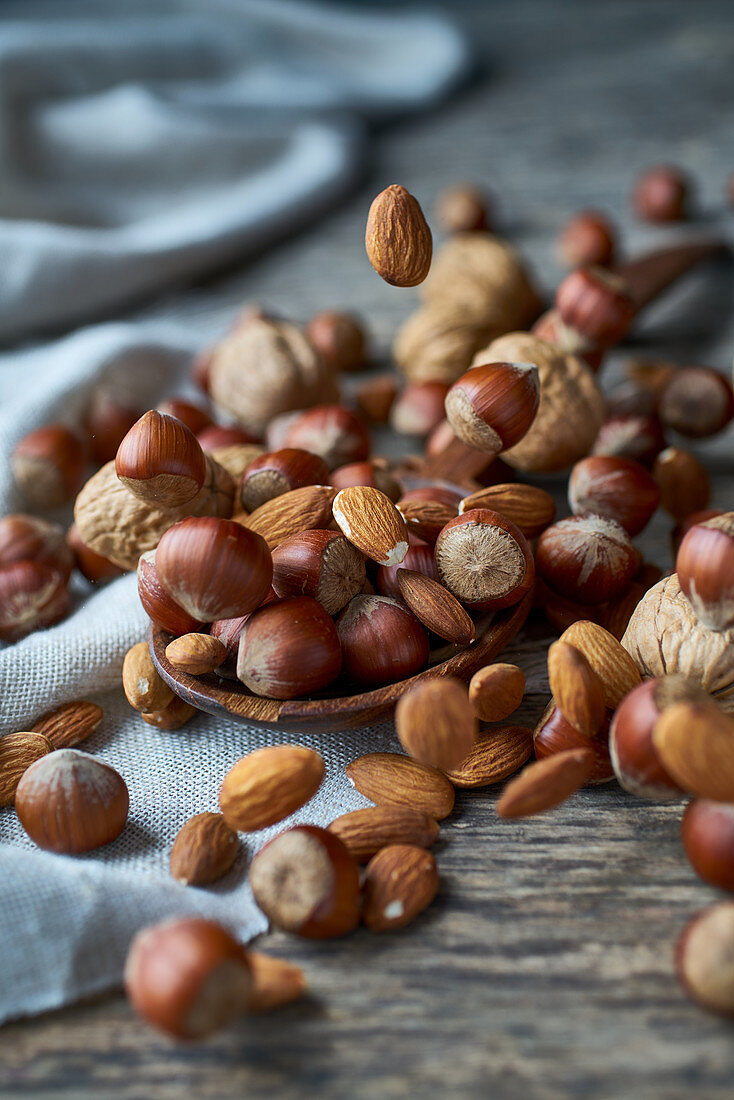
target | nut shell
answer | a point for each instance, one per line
(289, 648)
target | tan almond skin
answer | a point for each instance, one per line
(546, 783)
(498, 754)
(436, 607)
(435, 722)
(304, 509)
(496, 691)
(17, 752)
(399, 883)
(393, 780)
(528, 507)
(176, 714)
(577, 689)
(69, 724)
(609, 660)
(143, 687)
(277, 982)
(196, 654)
(695, 742)
(365, 832)
(372, 523)
(204, 849)
(269, 784)
(397, 238)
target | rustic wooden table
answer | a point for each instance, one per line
(545, 967)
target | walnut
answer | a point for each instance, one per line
(236, 458)
(266, 367)
(487, 277)
(664, 636)
(571, 409)
(437, 342)
(120, 527)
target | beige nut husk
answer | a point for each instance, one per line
(266, 367)
(236, 457)
(437, 342)
(571, 408)
(486, 276)
(664, 636)
(120, 527)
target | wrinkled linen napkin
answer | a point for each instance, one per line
(142, 143)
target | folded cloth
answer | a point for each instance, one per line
(145, 141)
(141, 143)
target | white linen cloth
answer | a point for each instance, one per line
(142, 143)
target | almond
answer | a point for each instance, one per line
(143, 686)
(176, 714)
(695, 742)
(365, 832)
(277, 982)
(304, 509)
(69, 724)
(372, 523)
(498, 754)
(425, 519)
(398, 241)
(196, 654)
(435, 722)
(204, 849)
(577, 689)
(436, 607)
(529, 508)
(546, 783)
(496, 691)
(399, 883)
(269, 784)
(393, 780)
(17, 752)
(609, 660)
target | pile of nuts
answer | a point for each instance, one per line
(279, 554)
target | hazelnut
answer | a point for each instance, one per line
(485, 560)
(92, 566)
(631, 399)
(339, 339)
(289, 648)
(381, 641)
(214, 568)
(705, 567)
(588, 559)
(32, 596)
(270, 475)
(70, 802)
(229, 632)
(462, 209)
(375, 398)
(555, 734)
(441, 494)
(322, 564)
(48, 466)
(30, 538)
(707, 830)
(685, 487)
(418, 558)
(636, 762)
(158, 605)
(491, 407)
(682, 528)
(596, 304)
(704, 956)
(216, 436)
(697, 402)
(160, 461)
(617, 488)
(334, 433)
(193, 416)
(661, 194)
(587, 238)
(107, 422)
(365, 473)
(631, 436)
(419, 409)
(264, 368)
(188, 977)
(550, 328)
(200, 369)
(665, 636)
(306, 882)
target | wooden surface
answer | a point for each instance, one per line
(544, 969)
